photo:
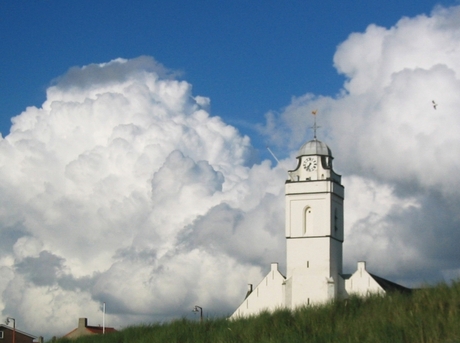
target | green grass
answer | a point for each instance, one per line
(427, 315)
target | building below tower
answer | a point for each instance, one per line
(314, 231)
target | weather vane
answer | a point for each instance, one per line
(314, 127)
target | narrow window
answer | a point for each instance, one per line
(308, 221)
(1, 334)
(335, 219)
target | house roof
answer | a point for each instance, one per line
(98, 329)
(2, 326)
(92, 329)
(387, 285)
(390, 286)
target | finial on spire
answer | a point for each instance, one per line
(314, 127)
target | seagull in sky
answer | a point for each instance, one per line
(314, 112)
(434, 104)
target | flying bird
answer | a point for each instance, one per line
(314, 112)
(434, 104)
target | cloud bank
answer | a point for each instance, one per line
(123, 188)
(398, 154)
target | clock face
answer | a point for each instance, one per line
(310, 164)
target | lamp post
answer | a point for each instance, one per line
(14, 327)
(199, 309)
(103, 318)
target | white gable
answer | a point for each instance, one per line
(268, 295)
(362, 283)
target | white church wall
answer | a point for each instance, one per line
(308, 255)
(336, 258)
(306, 215)
(362, 283)
(268, 295)
(312, 188)
(337, 218)
(309, 270)
(336, 268)
(314, 214)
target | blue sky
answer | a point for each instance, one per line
(249, 57)
(125, 189)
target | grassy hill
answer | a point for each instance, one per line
(427, 315)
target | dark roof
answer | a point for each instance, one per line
(390, 286)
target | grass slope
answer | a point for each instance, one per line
(427, 315)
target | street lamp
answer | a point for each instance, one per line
(14, 327)
(199, 309)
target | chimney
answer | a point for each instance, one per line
(82, 322)
(249, 290)
(362, 265)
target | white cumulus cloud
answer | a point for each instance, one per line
(398, 154)
(122, 188)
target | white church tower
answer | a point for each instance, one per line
(314, 228)
(314, 236)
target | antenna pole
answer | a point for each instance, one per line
(314, 127)
(103, 318)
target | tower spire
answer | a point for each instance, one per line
(314, 127)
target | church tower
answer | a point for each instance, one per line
(314, 228)
(314, 236)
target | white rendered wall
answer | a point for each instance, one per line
(308, 279)
(362, 283)
(268, 295)
(314, 236)
(324, 198)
